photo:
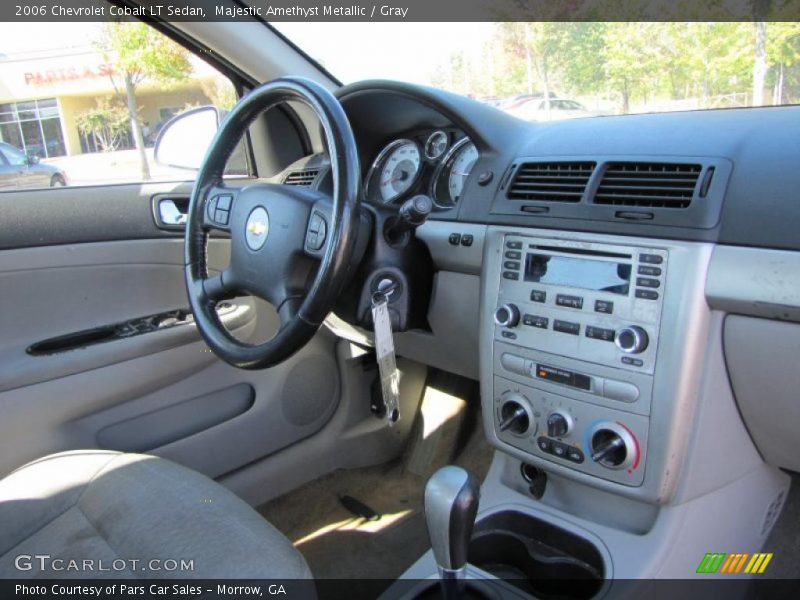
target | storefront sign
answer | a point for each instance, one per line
(52, 76)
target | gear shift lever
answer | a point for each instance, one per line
(451, 503)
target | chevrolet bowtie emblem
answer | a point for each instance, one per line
(256, 229)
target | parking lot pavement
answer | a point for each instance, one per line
(122, 166)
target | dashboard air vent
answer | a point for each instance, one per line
(656, 185)
(303, 178)
(551, 181)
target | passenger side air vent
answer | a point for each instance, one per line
(656, 185)
(303, 178)
(551, 181)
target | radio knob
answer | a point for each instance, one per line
(507, 315)
(631, 339)
(559, 424)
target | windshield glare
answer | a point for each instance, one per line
(553, 71)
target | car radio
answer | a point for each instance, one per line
(595, 302)
(576, 329)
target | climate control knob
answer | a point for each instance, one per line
(612, 446)
(631, 339)
(515, 415)
(559, 424)
(507, 315)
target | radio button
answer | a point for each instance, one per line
(514, 245)
(647, 282)
(643, 270)
(620, 390)
(535, 321)
(600, 333)
(510, 275)
(569, 301)
(647, 294)
(511, 264)
(538, 296)
(603, 306)
(509, 334)
(653, 259)
(636, 362)
(566, 327)
(513, 255)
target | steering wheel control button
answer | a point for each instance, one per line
(317, 232)
(566, 327)
(257, 228)
(569, 301)
(600, 333)
(604, 306)
(454, 239)
(224, 202)
(221, 217)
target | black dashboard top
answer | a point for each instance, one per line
(740, 166)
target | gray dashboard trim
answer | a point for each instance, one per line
(758, 282)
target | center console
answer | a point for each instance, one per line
(576, 338)
(575, 329)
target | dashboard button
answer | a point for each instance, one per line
(509, 334)
(513, 363)
(629, 360)
(569, 301)
(574, 454)
(647, 282)
(652, 259)
(620, 390)
(538, 296)
(535, 321)
(510, 275)
(603, 306)
(651, 271)
(566, 327)
(600, 333)
(511, 264)
(558, 449)
(647, 294)
(544, 444)
(454, 239)
(514, 245)
(467, 239)
(514, 254)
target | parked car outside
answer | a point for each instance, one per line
(535, 109)
(18, 170)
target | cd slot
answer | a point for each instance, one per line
(579, 251)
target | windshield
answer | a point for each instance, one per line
(549, 71)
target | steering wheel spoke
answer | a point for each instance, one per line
(220, 287)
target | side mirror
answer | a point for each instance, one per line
(184, 139)
(33, 159)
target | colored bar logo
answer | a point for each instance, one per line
(734, 563)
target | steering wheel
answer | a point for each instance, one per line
(290, 246)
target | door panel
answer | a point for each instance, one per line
(79, 259)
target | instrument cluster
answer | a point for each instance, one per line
(436, 163)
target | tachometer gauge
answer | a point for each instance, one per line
(452, 173)
(436, 145)
(394, 171)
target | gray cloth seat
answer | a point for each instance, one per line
(114, 509)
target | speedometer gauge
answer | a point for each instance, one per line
(453, 171)
(394, 171)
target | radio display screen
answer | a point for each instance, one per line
(597, 275)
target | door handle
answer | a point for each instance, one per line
(169, 212)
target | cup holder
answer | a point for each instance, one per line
(537, 557)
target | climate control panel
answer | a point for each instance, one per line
(558, 430)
